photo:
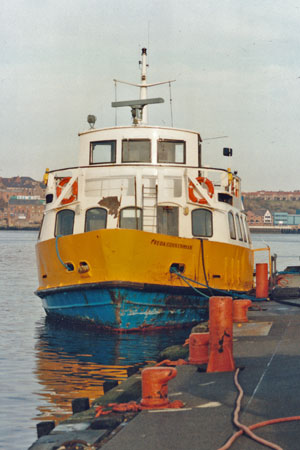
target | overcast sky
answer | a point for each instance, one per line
(237, 66)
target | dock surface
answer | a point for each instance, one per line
(270, 356)
(267, 349)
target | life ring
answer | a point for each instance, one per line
(282, 281)
(210, 188)
(234, 189)
(74, 194)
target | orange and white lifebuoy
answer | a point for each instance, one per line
(234, 188)
(210, 188)
(74, 194)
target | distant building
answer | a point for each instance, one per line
(280, 218)
(20, 186)
(273, 195)
(259, 217)
(21, 202)
(283, 218)
(24, 211)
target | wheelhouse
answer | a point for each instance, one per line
(148, 179)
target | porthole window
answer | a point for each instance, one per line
(202, 222)
(64, 222)
(171, 151)
(131, 218)
(232, 231)
(136, 150)
(95, 219)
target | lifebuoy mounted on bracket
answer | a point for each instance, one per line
(74, 194)
(210, 187)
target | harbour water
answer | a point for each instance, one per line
(44, 366)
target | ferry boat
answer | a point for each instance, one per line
(140, 233)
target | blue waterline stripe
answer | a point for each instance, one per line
(126, 301)
(77, 305)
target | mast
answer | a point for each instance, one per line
(139, 107)
(143, 85)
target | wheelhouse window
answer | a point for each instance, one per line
(232, 231)
(131, 218)
(167, 220)
(95, 219)
(136, 150)
(171, 151)
(64, 222)
(202, 222)
(239, 229)
(103, 152)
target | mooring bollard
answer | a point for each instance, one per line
(240, 310)
(80, 404)
(109, 384)
(262, 282)
(155, 386)
(198, 348)
(220, 335)
(44, 428)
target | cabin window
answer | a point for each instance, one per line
(64, 222)
(239, 229)
(131, 218)
(243, 229)
(232, 231)
(95, 219)
(171, 151)
(41, 226)
(136, 150)
(103, 152)
(247, 230)
(167, 220)
(202, 222)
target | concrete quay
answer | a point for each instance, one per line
(268, 350)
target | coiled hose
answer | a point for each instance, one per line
(248, 430)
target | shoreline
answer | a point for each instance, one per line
(37, 228)
(252, 230)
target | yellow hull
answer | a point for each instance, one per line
(133, 256)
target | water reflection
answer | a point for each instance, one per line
(75, 363)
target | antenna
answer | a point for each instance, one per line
(137, 107)
(216, 137)
(143, 85)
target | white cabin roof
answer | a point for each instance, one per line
(138, 127)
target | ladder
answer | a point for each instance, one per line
(149, 198)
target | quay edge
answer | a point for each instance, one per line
(267, 348)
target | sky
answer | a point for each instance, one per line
(236, 65)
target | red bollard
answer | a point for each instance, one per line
(220, 335)
(262, 282)
(240, 309)
(198, 348)
(155, 387)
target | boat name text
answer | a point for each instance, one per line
(171, 244)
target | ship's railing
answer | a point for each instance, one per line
(78, 182)
(223, 180)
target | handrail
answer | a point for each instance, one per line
(261, 250)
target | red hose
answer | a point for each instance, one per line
(247, 430)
